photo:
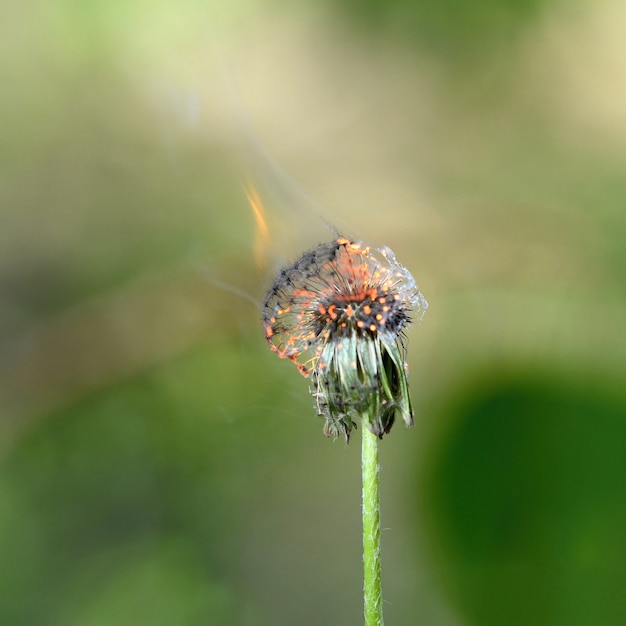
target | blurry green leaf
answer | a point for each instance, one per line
(526, 503)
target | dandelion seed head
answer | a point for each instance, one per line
(338, 313)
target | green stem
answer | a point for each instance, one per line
(372, 588)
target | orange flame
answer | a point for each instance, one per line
(262, 233)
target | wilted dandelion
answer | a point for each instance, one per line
(339, 313)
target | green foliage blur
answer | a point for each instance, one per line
(158, 464)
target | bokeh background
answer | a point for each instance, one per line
(158, 465)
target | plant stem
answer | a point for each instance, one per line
(372, 588)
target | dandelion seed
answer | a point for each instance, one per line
(339, 314)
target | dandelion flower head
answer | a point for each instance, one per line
(339, 314)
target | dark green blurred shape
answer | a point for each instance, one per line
(451, 28)
(526, 503)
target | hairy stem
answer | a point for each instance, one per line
(372, 588)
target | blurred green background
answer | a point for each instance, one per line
(158, 465)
